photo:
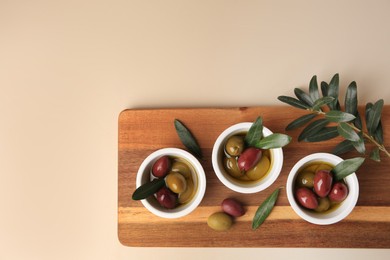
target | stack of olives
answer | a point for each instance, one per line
(245, 163)
(316, 189)
(180, 185)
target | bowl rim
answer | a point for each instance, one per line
(182, 210)
(338, 214)
(277, 154)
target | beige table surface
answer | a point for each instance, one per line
(68, 68)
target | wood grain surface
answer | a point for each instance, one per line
(143, 131)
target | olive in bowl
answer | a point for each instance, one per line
(184, 182)
(243, 168)
(315, 195)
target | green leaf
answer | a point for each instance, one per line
(343, 147)
(346, 131)
(265, 209)
(293, 102)
(303, 96)
(351, 101)
(324, 88)
(339, 116)
(255, 133)
(374, 116)
(347, 167)
(378, 134)
(324, 134)
(374, 155)
(313, 128)
(333, 91)
(369, 106)
(359, 145)
(273, 141)
(358, 121)
(321, 102)
(187, 138)
(313, 88)
(300, 121)
(148, 189)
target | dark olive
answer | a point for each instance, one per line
(339, 192)
(306, 198)
(323, 204)
(166, 198)
(234, 145)
(323, 182)
(161, 167)
(232, 207)
(305, 179)
(176, 182)
(260, 169)
(249, 158)
(181, 167)
(230, 165)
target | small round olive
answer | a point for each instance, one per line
(230, 165)
(219, 221)
(305, 179)
(249, 158)
(166, 198)
(234, 145)
(323, 204)
(306, 198)
(339, 192)
(161, 166)
(322, 182)
(182, 168)
(176, 182)
(260, 169)
(232, 207)
(187, 195)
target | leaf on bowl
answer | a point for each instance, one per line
(255, 133)
(347, 167)
(148, 189)
(187, 138)
(265, 209)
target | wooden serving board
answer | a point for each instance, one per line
(143, 131)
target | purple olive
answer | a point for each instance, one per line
(232, 207)
(339, 192)
(323, 182)
(166, 198)
(306, 198)
(249, 158)
(161, 167)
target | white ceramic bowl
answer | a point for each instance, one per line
(144, 176)
(334, 216)
(232, 183)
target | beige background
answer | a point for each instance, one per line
(67, 69)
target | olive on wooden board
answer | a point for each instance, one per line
(306, 198)
(219, 221)
(249, 158)
(161, 166)
(231, 166)
(259, 170)
(235, 145)
(339, 192)
(232, 207)
(166, 198)
(176, 182)
(322, 182)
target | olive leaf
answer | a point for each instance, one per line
(343, 147)
(300, 121)
(273, 141)
(333, 91)
(324, 88)
(265, 209)
(378, 135)
(187, 138)
(148, 189)
(346, 131)
(358, 121)
(293, 102)
(351, 101)
(313, 128)
(313, 89)
(339, 116)
(374, 116)
(324, 134)
(321, 102)
(374, 155)
(347, 167)
(255, 133)
(302, 96)
(359, 145)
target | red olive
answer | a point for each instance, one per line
(306, 198)
(339, 192)
(323, 182)
(249, 158)
(232, 207)
(166, 198)
(161, 166)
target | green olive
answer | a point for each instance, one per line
(323, 204)
(234, 145)
(231, 167)
(182, 168)
(176, 182)
(219, 221)
(260, 169)
(187, 195)
(305, 179)
(324, 167)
